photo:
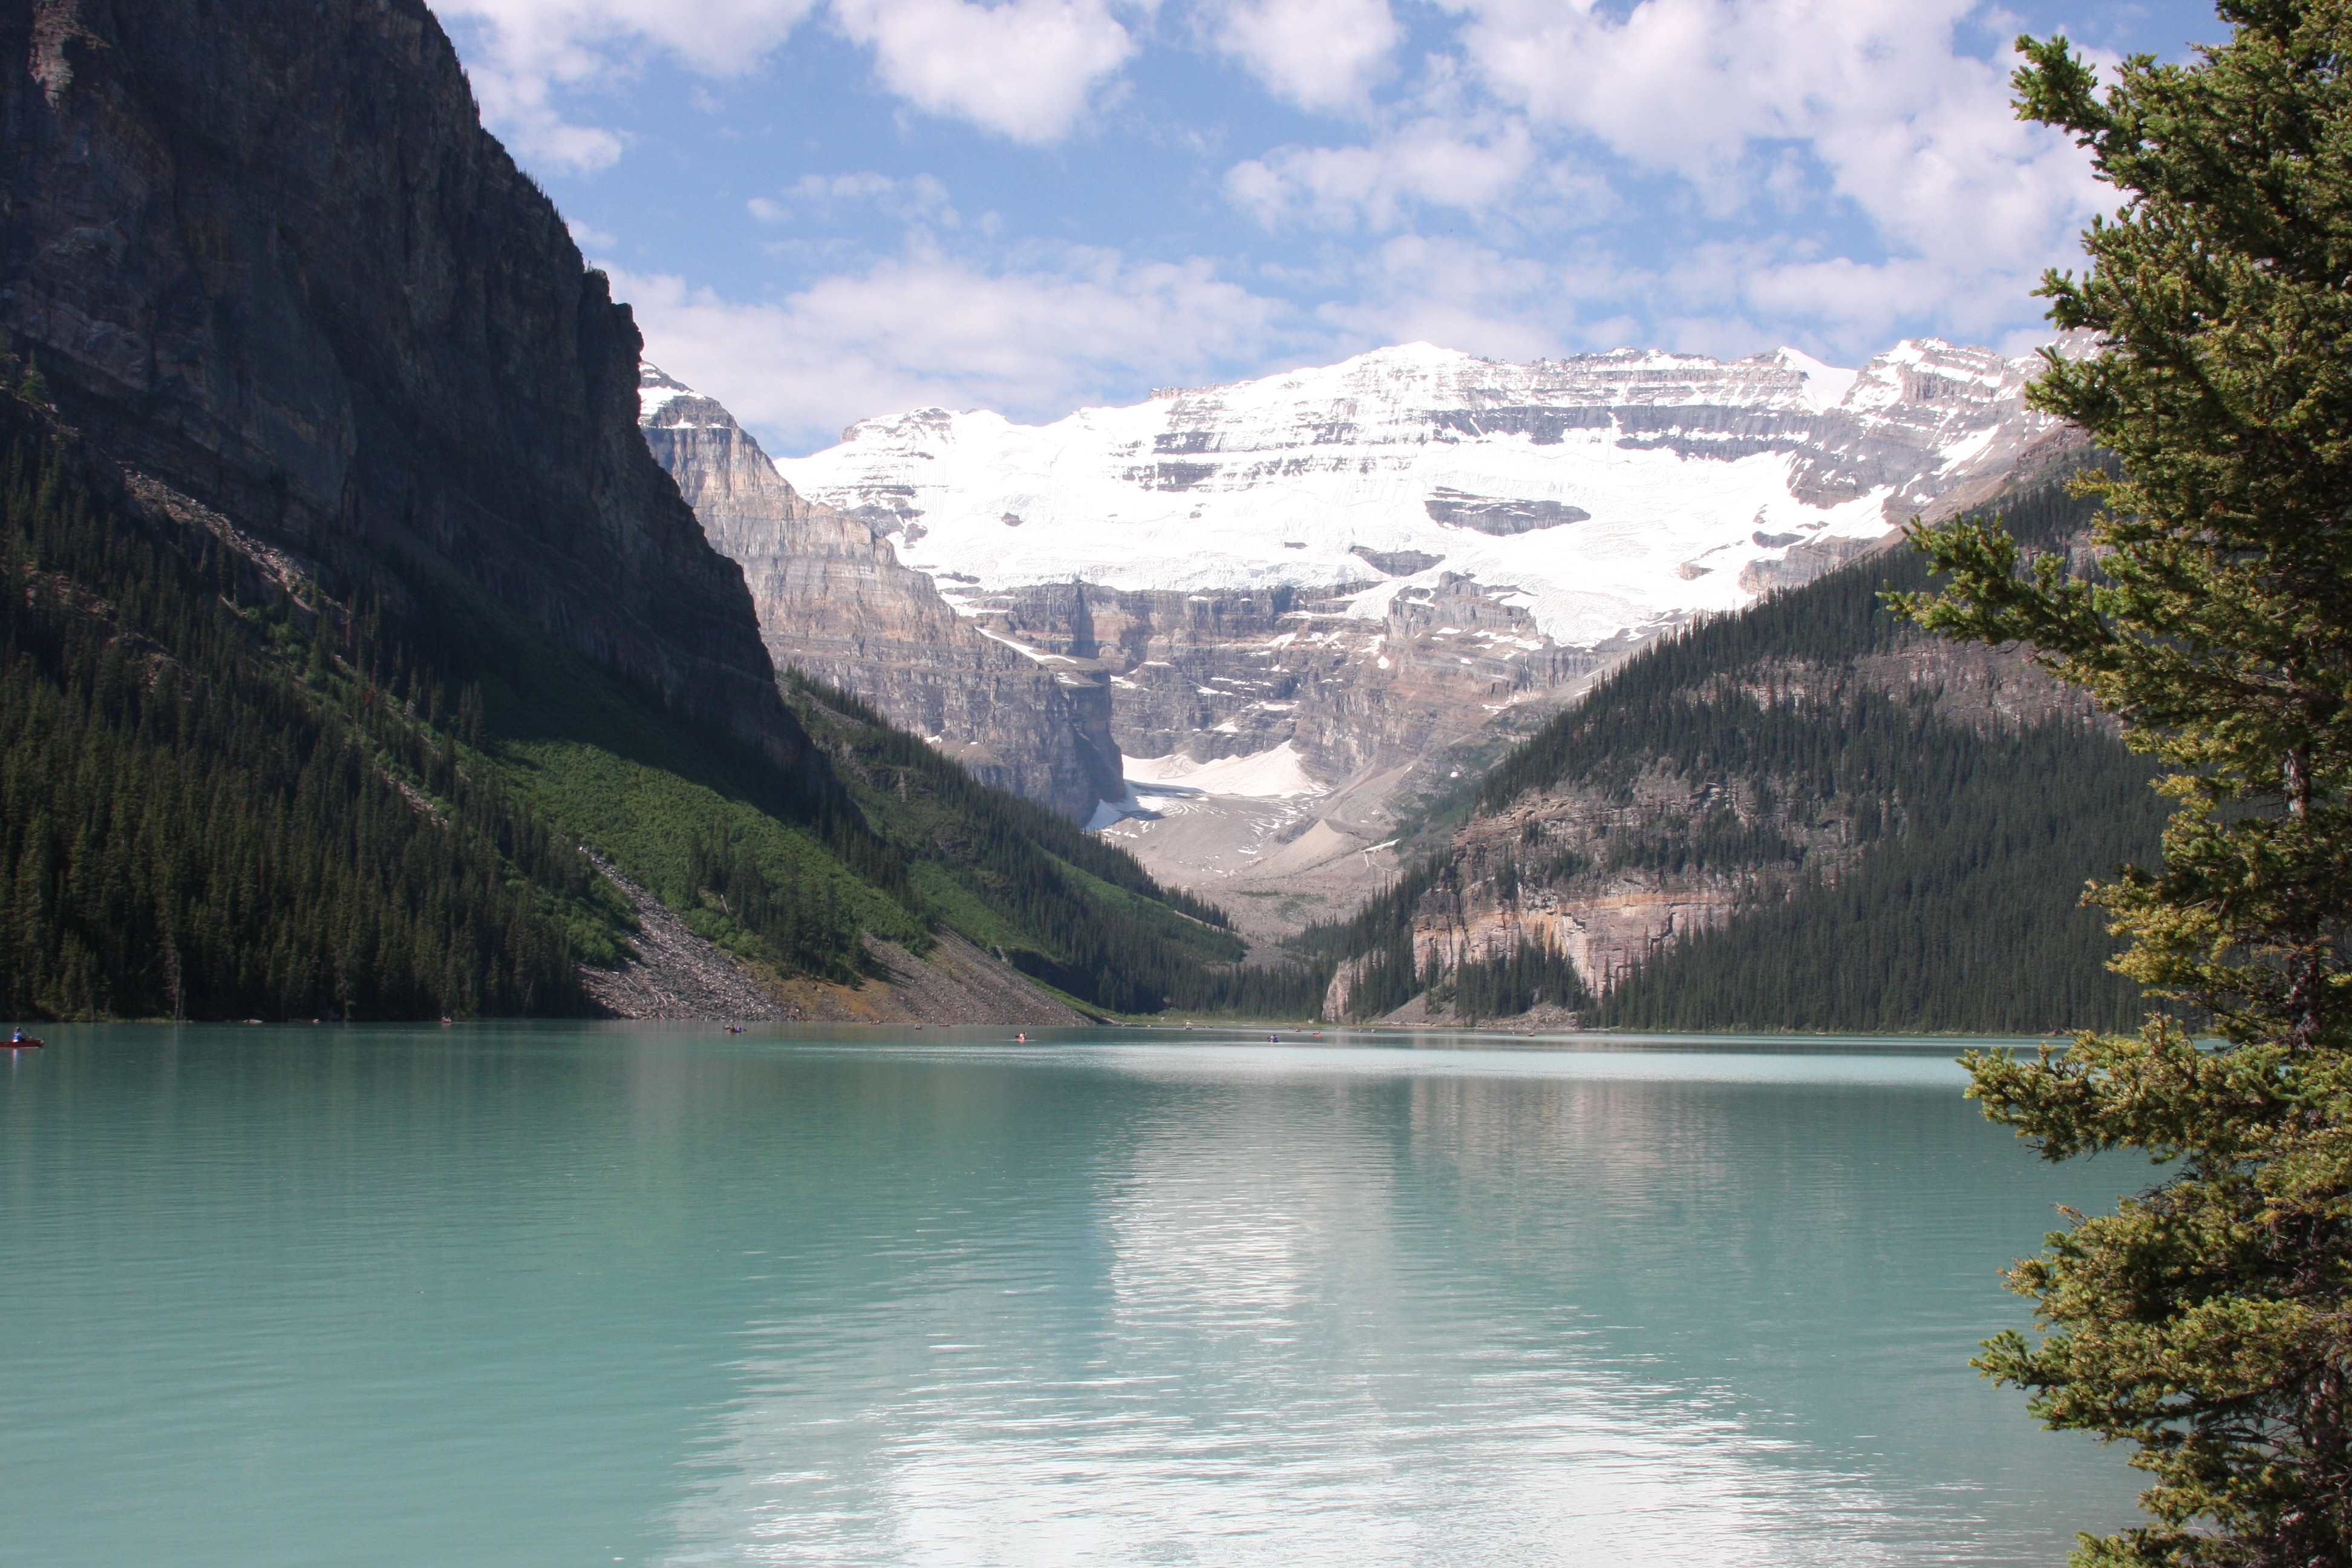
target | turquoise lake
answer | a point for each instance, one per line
(565, 1295)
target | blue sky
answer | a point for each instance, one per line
(827, 209)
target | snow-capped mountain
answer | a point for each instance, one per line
(834, 603)
(1287, 601)
(1614, 492)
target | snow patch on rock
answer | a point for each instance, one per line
(1273, 773)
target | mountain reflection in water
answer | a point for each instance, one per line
(537, 1294)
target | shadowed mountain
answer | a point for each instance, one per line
(356, 658)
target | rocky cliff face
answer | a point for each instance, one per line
(1207, 675)
(267, 256)
(834, 601)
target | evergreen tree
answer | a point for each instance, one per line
(2208, 1322)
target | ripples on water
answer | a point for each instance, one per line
(539, 1295)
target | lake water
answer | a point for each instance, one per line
(554, 1295)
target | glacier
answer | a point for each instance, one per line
(1265, 617)
(1611, 492)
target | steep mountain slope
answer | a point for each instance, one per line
(1809, 815)
(1381, 572)
(834, 601)
(275, 265)
(197, 819)
(352, 630)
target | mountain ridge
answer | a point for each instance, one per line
(834, 601)
(350, 625)
(1392, 568)
(369, 342)
(1810, 816)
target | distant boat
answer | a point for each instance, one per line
(22, 1042)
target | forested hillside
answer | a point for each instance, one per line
(208, 808)
(350, 625)
(228, 793)
(1807, 816)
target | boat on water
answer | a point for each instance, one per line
(21, 1041)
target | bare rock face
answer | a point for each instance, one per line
(267, 255)
(834, 601)
(1238, 672)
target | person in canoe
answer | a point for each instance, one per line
(20, 1041)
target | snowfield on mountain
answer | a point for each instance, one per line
(1613, 492)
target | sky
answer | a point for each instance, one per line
(824, 210)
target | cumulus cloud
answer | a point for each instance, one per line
(1917, 135)
(1422, 163)
(1316, 54)
(523, 53)
(1836, 170)
(1024, 69)
(928, 329)
(1715, 175)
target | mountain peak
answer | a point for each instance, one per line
(1617, 490)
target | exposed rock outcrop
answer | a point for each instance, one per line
(1232, 673)
(956, 983)
(670, 972)
(267, 255)
(834, 601)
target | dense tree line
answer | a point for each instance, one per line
(1968, 918)
(1534, 975)
(1667, 700)
(199, 815)
(800, 922)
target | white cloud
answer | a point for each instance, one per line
(1023, 69)
(1717, 176)
(921, 199)
(1920, 137)
(1733, 143)
(1427, 163)
(925, 329)
(1316, 54)
(525, 51)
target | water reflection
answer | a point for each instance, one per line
(523, 1295)
(1263, 1306)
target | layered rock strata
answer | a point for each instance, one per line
(1612, 490)
(834, 601)
(1383, 570)
(1231, 674)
